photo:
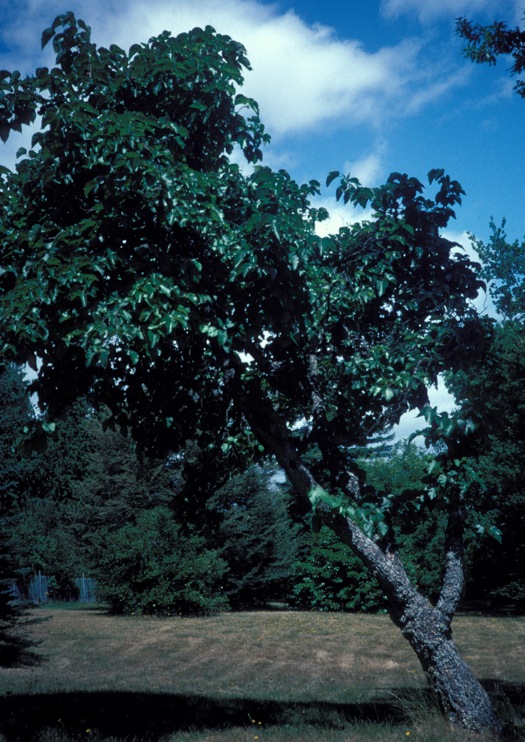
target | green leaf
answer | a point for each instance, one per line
(47, 35)
(495, 533)
(435, 174)
(317, 494)
(134, 49)
(316, 523)
(332, 175)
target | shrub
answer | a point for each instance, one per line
(329, 577)
(152, 567)
(256, 537)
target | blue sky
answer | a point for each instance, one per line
(367, 87)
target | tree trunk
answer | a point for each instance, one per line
(458, 693)
(427, 628)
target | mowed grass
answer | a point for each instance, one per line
(244, 676)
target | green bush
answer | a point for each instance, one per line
(152, 567)
(256, 537)
(422, 546)
(329, 577)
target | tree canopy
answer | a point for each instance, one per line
(494, 392)
(15, 474)
(139, 262)
(144, 268)
(486, 43)
(504, 270)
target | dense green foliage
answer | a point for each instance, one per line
(163, 261)
(150, 566)
(496, 396)
(193, 300)
(15, 475)
(401, 473)
(82, 496)
(16, 413)
(329, 577)
(84, 478)
(139, 262)
(256, 537)
(150, 236)
(91, 493)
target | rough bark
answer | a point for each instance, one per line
(457, 691)
(427, 628)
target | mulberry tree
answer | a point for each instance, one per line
(144, 269)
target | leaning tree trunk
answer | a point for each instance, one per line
(459, 694)
(427, 628)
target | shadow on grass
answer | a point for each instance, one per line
(18, 650)
(149, 716)
(145, 716)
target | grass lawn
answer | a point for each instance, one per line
(244, 676)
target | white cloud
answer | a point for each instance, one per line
(341, 215)
(369, 169)
(304, 77)
(430, 90)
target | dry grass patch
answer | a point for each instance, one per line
(308, 676)
(283, 655)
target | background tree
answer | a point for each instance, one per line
(16, 413)
(400, 474)
(328, 577)
(46, 533)
(149, 566)
(15, 473)
(256, 538)
(495, 393)
(149, 274)
(503, 267)
(87, 484)
(487, 43)
(493, 389)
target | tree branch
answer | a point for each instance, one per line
(454, 577)
(386, 566)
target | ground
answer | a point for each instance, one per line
(241, 676)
